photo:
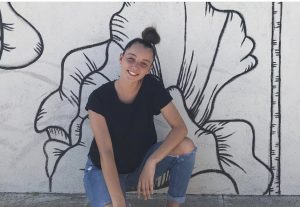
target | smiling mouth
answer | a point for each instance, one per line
(132, 73)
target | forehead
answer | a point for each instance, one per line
(140, 51)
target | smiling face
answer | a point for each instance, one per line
(136, 62)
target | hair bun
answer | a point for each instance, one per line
(150, 35)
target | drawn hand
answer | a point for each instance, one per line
(146, 179)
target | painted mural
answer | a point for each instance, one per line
(204, 50)
(275, 128)
(15, 51)
(204, 69)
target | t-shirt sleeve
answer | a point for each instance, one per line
(161, 97)
(95, 103)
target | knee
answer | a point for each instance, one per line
(184, 147)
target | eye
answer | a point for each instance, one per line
(143, 65)
(130, 60)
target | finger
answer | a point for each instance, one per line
(139, 189)
(144, 190)
(151, 188)
(148, 194)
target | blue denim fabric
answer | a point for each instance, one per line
(177, 170)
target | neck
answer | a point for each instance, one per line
(127, 91)
(128, 86)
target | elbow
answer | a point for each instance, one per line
(180, 129)
(185, 130)
(106, 152)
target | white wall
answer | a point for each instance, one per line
(237, 115)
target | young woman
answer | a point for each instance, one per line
(124, 154)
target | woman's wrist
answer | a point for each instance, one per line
(152, 160)
(118, 201)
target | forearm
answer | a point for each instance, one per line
(108, 165)
(111, 176)
(146, 179)
(175, 136)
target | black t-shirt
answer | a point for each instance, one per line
(131, 126)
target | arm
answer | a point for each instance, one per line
(109, 169)
(176, 135)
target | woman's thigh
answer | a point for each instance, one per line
(161, 177)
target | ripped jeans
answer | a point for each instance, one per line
(174, 171)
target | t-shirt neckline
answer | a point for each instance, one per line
(134, 100)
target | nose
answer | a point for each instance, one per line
(135, 65)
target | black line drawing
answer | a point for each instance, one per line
(16, 52)
(275, 128)
(195, 83)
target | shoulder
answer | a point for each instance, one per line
(153, 80)
(105, 89)
(99, 98)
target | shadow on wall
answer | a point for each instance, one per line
(201, 67)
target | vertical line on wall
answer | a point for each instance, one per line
(275, 132)
(50, 184)
(182, 67)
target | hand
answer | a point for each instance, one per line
(146, 179)
(120, 202)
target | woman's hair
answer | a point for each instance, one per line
(150, 37)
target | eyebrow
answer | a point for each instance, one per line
(131, 54)
(135, 56)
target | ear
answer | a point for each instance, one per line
(121, 57)
(151, 67)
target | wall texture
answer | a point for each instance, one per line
(230, 67)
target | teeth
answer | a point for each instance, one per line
(131, 73)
